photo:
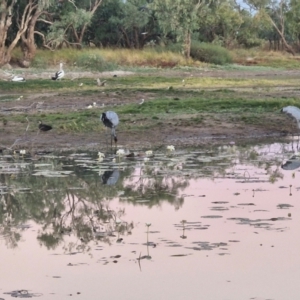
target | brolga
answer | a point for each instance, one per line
(111, 120)
(294, 112)
(59, 74)
(44, 127)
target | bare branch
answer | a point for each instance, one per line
(45, 21)
(44, 40)
(72, 2)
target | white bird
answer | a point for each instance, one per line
(59, 74)
(18, 79)
(110, 120)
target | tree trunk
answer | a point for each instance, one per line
(5, 23)
(187, 45)
(28, 45)
(284, 42)
(136, 35)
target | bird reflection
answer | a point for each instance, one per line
(292, 164)
(110, 177)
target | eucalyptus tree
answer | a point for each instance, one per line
(220, 22)
(72, 25)
(275, 13)
(38, 12)
(103, 30)
(129, 24)
(25, 19)
(293, 17)
(180, 18)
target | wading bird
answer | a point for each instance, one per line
(44, 127)
(110, 120)
(59, 74)
(294, 112)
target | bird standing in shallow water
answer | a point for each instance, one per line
(59, 74)
(44, 127)
(294, 112)
(110, 120)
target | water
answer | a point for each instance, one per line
(189, 224)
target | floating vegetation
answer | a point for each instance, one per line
(50, 173)
(23, 294)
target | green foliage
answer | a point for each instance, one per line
(210, 53)
(93, 61)
(173, 47)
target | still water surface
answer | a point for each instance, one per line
(189, 224)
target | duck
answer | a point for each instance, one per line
(59, 74)
(44, 127)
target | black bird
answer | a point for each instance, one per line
(44, 127)
(110, 120)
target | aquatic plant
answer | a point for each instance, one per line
(120, 152)
(148, 225)
(149, 153)
(100, 156)
(171, 148)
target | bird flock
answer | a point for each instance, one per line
(110, 119)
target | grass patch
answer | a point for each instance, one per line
(106, 59)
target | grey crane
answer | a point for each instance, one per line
(110, 120)
(294, 112)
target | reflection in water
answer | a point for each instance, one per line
(76, 204)
(63, 194)
(292, 164)
(111, 177)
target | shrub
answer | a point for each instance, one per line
(210, 53)
(93, 61)
(174, 47)
(39, 62)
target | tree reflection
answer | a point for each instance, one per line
(72, 203)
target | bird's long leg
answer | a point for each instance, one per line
(106, 137)
(111, 138)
